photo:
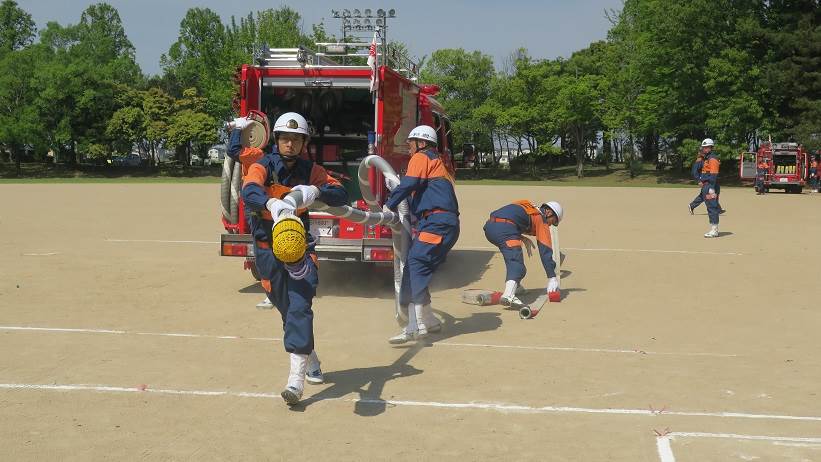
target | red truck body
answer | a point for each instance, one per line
(788, 166)
(349, 121)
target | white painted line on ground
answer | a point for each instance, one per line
(450, 344)
(160, 241)
(489, 248)
(125, 332)
(499, 407)
(665, 450)
(582, 249)
(47, 254)
(584, 350)
(733, 436)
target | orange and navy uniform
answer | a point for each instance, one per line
(270, 177)
(429, 183)
(710, 187)
(434, 204)
(505, 229)
(763, 168)
(709, 171)
(246, 156)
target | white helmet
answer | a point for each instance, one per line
(557, 210)
(291, 122)
(423, 132)
(707, 142)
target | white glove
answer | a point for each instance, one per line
(280, 207)
(309, 193)
(391, 183)
(528, 246)
(241, 122)
(552, 285)
(385, 209)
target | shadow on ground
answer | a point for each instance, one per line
(369, 382)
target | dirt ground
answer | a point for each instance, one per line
(666, 347)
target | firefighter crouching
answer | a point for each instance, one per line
(505, 228)
(433, 204)
(284, 251)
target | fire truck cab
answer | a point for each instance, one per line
(788, 166)
(350, 118)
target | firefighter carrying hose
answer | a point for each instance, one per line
(283, 250)
(505, 230)
(709, 186)
(433, 204)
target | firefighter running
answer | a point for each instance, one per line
(436, 210)
(709, 186)
(283, 250)
(505, 230)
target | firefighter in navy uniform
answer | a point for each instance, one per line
(710, 188)
(290, 285)
(761, 171)
(433, 203)
(505, 230)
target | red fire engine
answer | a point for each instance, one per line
(788, 166)
(349, 121)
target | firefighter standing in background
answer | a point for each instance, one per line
(761, 171)
(504, 229)
(710, 188)
(434, 205)
(814, 174)
(290, 285)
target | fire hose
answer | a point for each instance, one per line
(398, 221)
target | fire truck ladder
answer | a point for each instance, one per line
(330, 52)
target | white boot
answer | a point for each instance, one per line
(314, 372)
(432, 323)
(296, 379)
(415, 329)
(713, 232)
(509, 295)
(265, 304)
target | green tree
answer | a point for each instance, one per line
(17, 29)
(190, 130)
(20, 126)
(464, 79)
(577, 108)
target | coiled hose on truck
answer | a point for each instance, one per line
(399, 222)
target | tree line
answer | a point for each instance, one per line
(668, 74)
(76, 90)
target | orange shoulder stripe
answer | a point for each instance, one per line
(257, 174)
(418, 166)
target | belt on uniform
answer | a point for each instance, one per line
(428, 213)
(501, 220)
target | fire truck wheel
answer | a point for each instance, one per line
(799, 190)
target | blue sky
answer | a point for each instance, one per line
(548, 29)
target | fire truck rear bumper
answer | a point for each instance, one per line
(328, 249)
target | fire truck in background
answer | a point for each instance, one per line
(349, 121)
(788, 166)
